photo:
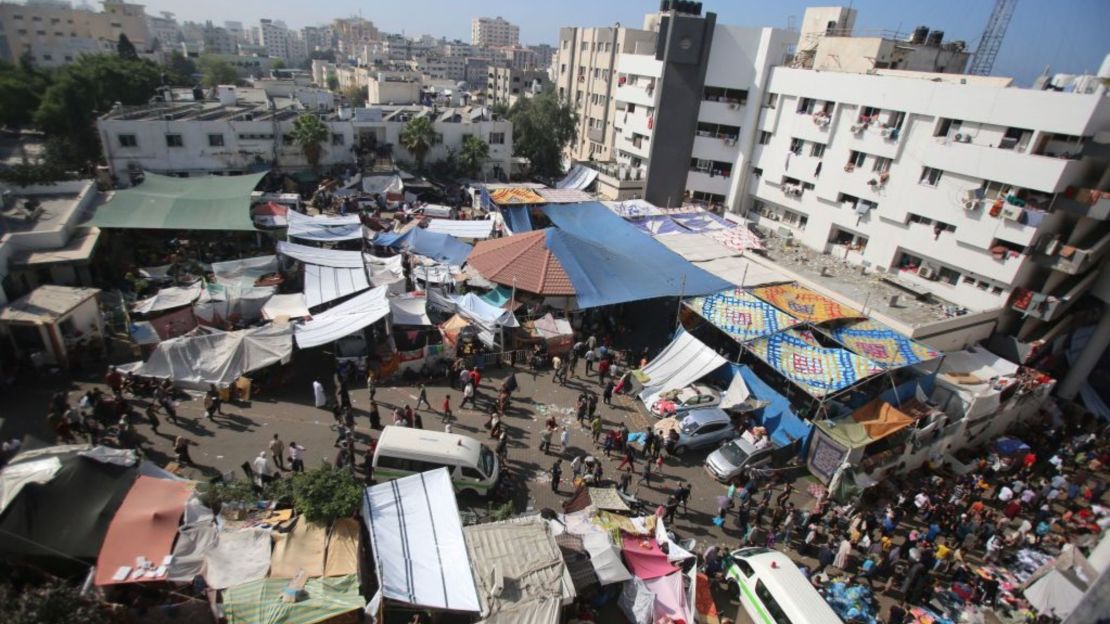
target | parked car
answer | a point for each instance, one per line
(694, 396)
(734, 456)
(697, 429)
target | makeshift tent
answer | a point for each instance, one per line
(169, 298)
(1056, 588)
(741, 315)
(346, 318)
(518, 219)
(656, 225)
(631, 208)
(607, 259)
(738, 239)
(671, 600)
(736, 394)
(500, 296)
(645, 559)
(341, 558)
(477, 311)
(637, 602)
(564, 196)
(979, 363)
(472, 228)
(520, 554)
(245, 272)
(882, 345)
(239, 557)
(438, 247)
(702, 221)
(605, 558)
(15, 476)
(880, 419)
(818, 370)
(684, 361)
(434, 273)
(322, 599)
(270, 215)
(299, 550)
(557, 334)
(417, 541)
(221, 305)
(347, 227)
(695, 247)
(217, 357)
(579, 177)
(383, 185)
(323, 284)
(192, 546)
(410, 309)
(515, 195)
(290, 306)
(523, 261)
(742, 272)
(317, 255)
(803, 303)
(144, 526)
(171, 203)
(577, 561)
(386, 272)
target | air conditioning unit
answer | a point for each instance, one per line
(927, 272)
(971, 205)
(733, 105)
(858, 128)
(1011, 212)
(821, 120)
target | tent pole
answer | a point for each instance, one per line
(678, 308)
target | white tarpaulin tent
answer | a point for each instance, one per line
(417, 541)
(169, 298)
(302, 226)
(434, 273)
(695, 247)
(348, 317)
(386, 272)
(409, 309)
(324, 257)
(681, 363)
(290, 306)
(219, 303)
(15, 476)
(741, 271)
(736, 393)
(381, 185)
(238, 557)
(579, 177)
(323, 284)
(216, 357)
(486, 315)
(473, 228)
(605, 558)
(245, 272)
(1057, 587)
(637, 602)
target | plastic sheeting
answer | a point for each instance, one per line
(518, 219)
(695, 247)
(521, 556)
(644, 558)
(564, 196)
(883, 345)
(743, 272)
(579, 177)
(239, 557)
(384, 271)
(383, 185)
(346, 318)
(741, 315)
(323, 283)
(637, 602)
(738, 239)
(671, 599)
(301, 549)
(657, 225)
(172, 203)
(13, 478)
(289, 306)
(169, 298)
(193, 545)
(324, 257)
(304, 227)
(417, 542)
(473, 228)
(605, 558)
(260, 602)
(816, 369)
(410, 309)
(702, 221)
(434, 245)
(684, 361)
(782, 424)
(607, 259)
(216, 358)
(145, 525)
(736, 394)
(245, 272)
(515, 195)
(473, 308)
(804, 304)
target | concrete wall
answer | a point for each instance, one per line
(392, 91)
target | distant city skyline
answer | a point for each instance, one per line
(1067, 35)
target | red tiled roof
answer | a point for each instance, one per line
(525, 258)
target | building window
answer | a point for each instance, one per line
(796, 146)
(128, 140)
(734, 97)
(174, 140)
(337, 139)
(764, 137)
(806, 105)
(855, 159)
(948, 276)
(215, 140)
(817, 150)
(496, 138)
(930, 176)
(881, 165)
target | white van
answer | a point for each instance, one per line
(402, 451)
(774, 591)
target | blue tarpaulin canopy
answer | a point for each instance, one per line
(782, 424)
(609, 260)
(517, 218)
(434, 245)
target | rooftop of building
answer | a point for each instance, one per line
(41, 208)
(46, 304)
(250, 104)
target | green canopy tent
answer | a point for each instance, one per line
(169, 203)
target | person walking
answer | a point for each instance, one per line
(422, 398)
(682, 495)
(261, 469)
(590, 356)
(629, 459)
(468, 395)
(375, 416)
(503, 446)
(545, 440)
(371, 384)
(447, 415)
(581, 407)
(556, 474)
(591, 405)
(277, 449)
(181, 448)
(464, 376)
(556, 367)
(318, 394)
(645, 476)
(595, 427)
(152, 416)
(343, 397)
(607, 393)
(296, 457)
(603, 370)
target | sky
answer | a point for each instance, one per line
(1070, 36)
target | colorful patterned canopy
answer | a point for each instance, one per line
(883, 345)
(741, 315)
(817, 370)
(739, 238)
(516, 195)
(804, 304)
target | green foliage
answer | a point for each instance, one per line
(277, 64)
(217, 71)
(52, 602)
(324, 493)
(473, 155)
(214, 495)
(333, 83)
(418, 136)
(355, 96)
(542, 127)
(85, 89)
(180, 70)
(21, 88)
(309, 133)
(126, 49)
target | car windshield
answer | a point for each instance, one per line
(689, 426)
(733, 454)
(485, 461)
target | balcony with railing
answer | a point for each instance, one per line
(1075, 258)
(1085, 203)
(1050, 306)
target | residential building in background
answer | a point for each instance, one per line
(352, 33)
(519, 57)
(388, 87)
(505, 84)
(280, 42)
(585, 77)
(316, 38)
(544, 55)
(218, 40)
(165, 29)
(236, 29)
(56, 34)
(494, 32)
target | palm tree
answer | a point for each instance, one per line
(310, 134)
(473, 155)
(418, 136)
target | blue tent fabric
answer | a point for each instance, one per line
(518, 218)
(608, 259)
(1009, 446)
(782, 424)
(435, 245)
(498, 296)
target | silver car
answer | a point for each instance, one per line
(697, 429)
(727, 462)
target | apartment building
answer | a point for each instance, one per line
(245, 129)
(961, 188)
(164, 28)
(317, 38)
(494, 32)
(519, 57)
(505, 85)
(544, 55)
(219, 40)
(584, 72)
(352, 33)
(392, 87)
(282, 43)
(56, 34)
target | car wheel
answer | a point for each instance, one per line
(680, 450)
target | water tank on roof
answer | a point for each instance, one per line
(226, 94)
(919, 35)
(935, 38)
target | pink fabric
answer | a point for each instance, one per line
(739, 238)
(644, 559)
(670, 599)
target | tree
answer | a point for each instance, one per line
(418, 136)
(180, 69)
(125, 48)
(355, 95)
(333, 84)
(217, 71)
(277, 64)
(21, 88)
(325, 493)
(52, 602)
(309, 133)
(542, 127)
(89, 87)
(473, 155)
